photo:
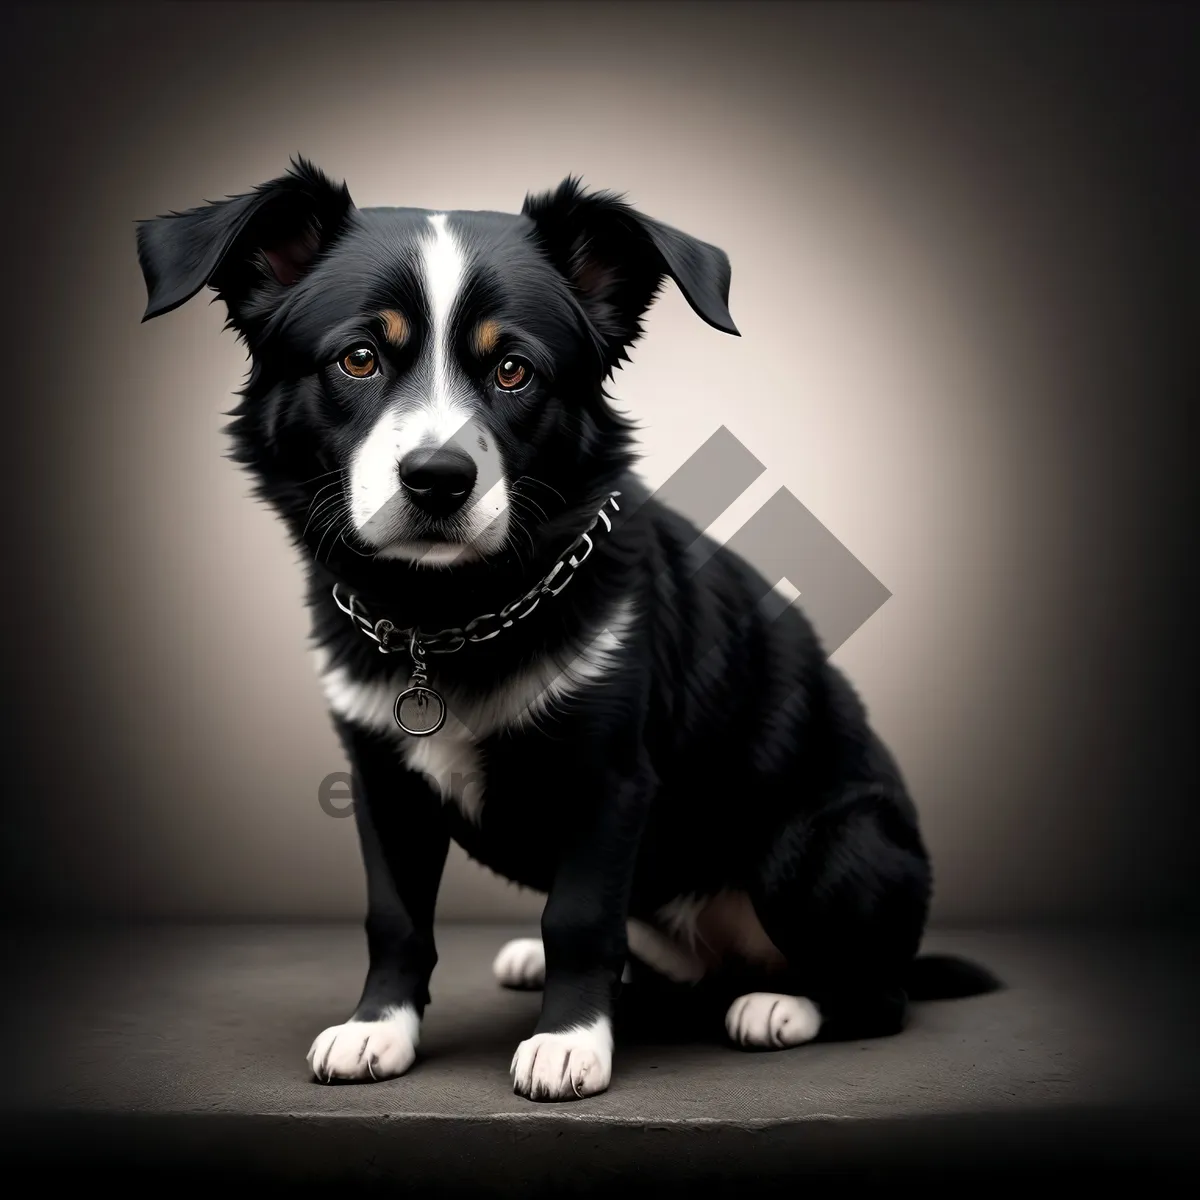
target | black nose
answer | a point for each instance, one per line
(438, 481)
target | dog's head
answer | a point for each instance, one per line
(424, 384)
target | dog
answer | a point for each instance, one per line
(523, 650)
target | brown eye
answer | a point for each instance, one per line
(359, 362)
(513, 374)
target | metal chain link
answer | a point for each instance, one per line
(392, 640)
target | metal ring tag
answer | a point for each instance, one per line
(419, 711)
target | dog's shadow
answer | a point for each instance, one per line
(661, 1013)
(949, 977)
(653, 1011)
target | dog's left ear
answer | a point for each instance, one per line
(267, 238)
(617, 259)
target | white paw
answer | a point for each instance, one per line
(366, 1049)
(564, 1066)
(521, 963)
(765, 1019)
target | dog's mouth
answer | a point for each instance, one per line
(430, 552)
(400, 531)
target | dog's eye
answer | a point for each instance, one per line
(513, 374)
(359, 361)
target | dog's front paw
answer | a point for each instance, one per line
(372, 1050)
(564, 1066)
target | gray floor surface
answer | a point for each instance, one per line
(181, 1049)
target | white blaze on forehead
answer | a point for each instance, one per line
(442, 415)
(444, 267)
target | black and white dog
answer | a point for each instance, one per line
(691, 783)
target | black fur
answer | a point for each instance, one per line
(725, 752)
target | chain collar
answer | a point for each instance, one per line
(392, 639)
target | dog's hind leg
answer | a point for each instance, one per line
(843, 894)
(521, 964)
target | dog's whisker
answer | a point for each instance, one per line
(322, 494)
(542, 483)
(335, 516)
(306, 482)
(518, 525)
(319, 499)
(317, 508)
(326, 505)
(524, 507)
(347, 528)
(334, 525)
(516, 498)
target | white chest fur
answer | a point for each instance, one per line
(451, 758)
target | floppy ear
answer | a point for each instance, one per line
(268, 236)
(617, 259)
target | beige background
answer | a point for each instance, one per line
(927, 224)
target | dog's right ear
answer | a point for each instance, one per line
(617, 259)
(267, 238)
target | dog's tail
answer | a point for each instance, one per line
(948, 977)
